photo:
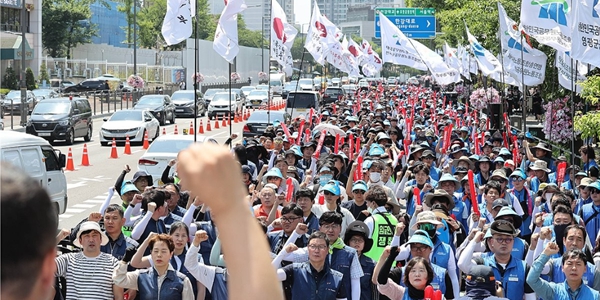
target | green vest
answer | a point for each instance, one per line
(125, 229)
(382, 234)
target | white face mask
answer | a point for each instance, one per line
(370, 209)
(374, 177)
(548, 196)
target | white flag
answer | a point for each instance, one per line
(463, 54)
(319, 36)
(282, 38)
(487, 62)
(586, 32)
(349, 58)
(226, 35)
(439, 70)
(565, 72)
(396, 48)
(177, 24)
(473, 66)
(355, 50)
(548, 21)
(451, 57)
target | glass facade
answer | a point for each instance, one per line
(10, 19)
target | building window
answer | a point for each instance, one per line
(11, 19)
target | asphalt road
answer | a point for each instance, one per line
(88, 186)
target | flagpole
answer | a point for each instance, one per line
(229, 116)
(524, 87)
(573, 111)
(196, 67)
(502, 75)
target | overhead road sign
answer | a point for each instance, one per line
(416, 23)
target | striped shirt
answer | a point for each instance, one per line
(87, 277)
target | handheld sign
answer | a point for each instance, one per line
(417, 193)
(560, 171)
(290, 189)
(320, 145)
(472, 192)
(310, 116)
(357, 144)
(321, 199)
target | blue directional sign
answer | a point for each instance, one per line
(417, 23)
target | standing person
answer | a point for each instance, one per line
(305, 198)
(92, 264)
(381, 223)
(140, 179)
(291, 216)
(155, 205)
(357, 206)
(315, 278)
(590, 213)
(159, 282)
(113, 224)
(417, 277)
(357, 237)
(574, 267)
(28, 265)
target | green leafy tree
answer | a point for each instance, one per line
(66, 25)
(126, 7)
(10, 80)
(30, 79)
(588, 124)
(44, 74)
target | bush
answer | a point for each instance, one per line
(10, 80)
(44, 75)
(4, 91)
(29, 79)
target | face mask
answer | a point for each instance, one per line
(324, 179)
(559, 231)
(370, 210)
(374, 177)
(548, 196)
(429, 228)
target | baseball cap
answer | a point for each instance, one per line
(359, 185)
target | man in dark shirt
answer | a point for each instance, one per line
(358, 205)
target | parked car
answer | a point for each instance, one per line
(132, 123)
(12, 101)
(220, 105)
(263, 87)
(126, 88)
(289, 87)
(247, 89)
(184, 103)
(160, 106)
(209, 94)
(165, 148)
(241, 98)
(42, 94)
(306, 84)
(89, 85)
(59, 85)
(350, 89)
(259, 121)
(333, 94)
(257, 98)
(64, 118)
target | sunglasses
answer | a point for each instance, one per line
(594, 191)
(501, 180)
(359, 192)
(328, 193)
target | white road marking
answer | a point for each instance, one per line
(74, 210)
(64, 216)
(94, 201)
(75, 185)
(85, 206)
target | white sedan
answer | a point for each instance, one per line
(163, 149)
(132, 123)
(257, 98)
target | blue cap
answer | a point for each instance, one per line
(504, 151)
(276, 123)
(448, 177)
(464, 128)
(128, 187)
(518, 173)
(367, 164)
(528, 135)
(360, 185)
(274, 172)
(332, 187)
(499, 159)
(474, 157)
(420, 237)
(595, 185)
(376, 150)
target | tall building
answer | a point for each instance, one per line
(337, 10)
(258, 14)
(112, 24)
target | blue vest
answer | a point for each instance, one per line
(441, 254)
(275, 237)
(558, 276)
(305, 287)
(561, 292)
(458, 210)
(513, 277)
(524, 200)
(206, 246)
(591, 216)
(183, 270)
(153, 226)
(518, 249)
(219, 288)
(340, 261)
(438, 282)
(171, 288)
(368, 266)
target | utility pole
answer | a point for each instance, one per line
(24, 106)
(134, 37)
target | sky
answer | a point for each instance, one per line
(302, 11)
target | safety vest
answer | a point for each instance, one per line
(511, 278)
(558, 275)
(384, 226)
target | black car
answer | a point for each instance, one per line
(184, 103)
(160, 106)
(333, 94)
(259, 121)
(90, 85)
(61, 119)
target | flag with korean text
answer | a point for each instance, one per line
(177, 24)
(565, 72)
(586, 32)
(439, 69)
(396, 48)
(319, 36)
(226, 35)
(282, 38)
(548, 21)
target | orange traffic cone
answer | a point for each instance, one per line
(113, 151)
(85, 159)
(216, 122)
(70, 166)
(235, 117)
(164, 131)
(130, 98)
(127, 146)
(201, 128)
(176, 131)
(146, 144)
(223, 122)
(191, 127)
(208, 125)
(229, 119)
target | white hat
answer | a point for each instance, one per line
(90, 225)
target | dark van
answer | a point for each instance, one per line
(63, 118)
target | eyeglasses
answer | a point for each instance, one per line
(501, 180)
(289, 220)
(507, 240)
(517, 179)
(418, 247)
(330, 227)
(357, 240)
(317, 247)
(328, 193)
